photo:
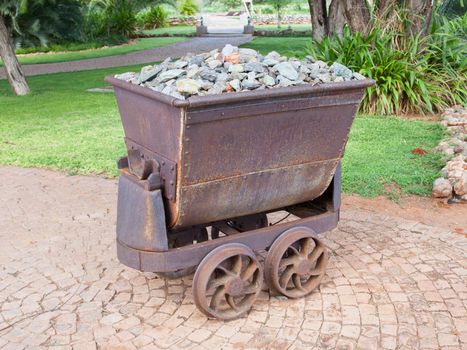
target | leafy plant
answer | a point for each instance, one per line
(111, 17)
(412, 74)
(155, 17)
(40, 22)
(188, 8)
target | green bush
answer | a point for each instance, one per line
(155, 17)
(412, 74)
(45, 22)
(107, 18)
(188, 8)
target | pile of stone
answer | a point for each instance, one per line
(453, 184)
(234, 69)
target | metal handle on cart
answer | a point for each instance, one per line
(143, 169)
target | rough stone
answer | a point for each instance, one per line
(170, 74)
(188, 86)
(287, 70)
(442, 188)
(197, 75)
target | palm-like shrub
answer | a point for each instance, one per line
(155, 17)
(412, 74)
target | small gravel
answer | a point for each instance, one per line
(234, 69)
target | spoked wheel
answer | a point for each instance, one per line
(227, 281)
(296, 262)
(199, 236)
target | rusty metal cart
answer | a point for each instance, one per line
(202, 174)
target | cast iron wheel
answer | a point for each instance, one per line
(201, 236)
(296, 262)
(227, 281)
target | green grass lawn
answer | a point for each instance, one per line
(289, 46)
(137, 45)
(180, 30)
(61, 126)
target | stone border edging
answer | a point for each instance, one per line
(453, 183)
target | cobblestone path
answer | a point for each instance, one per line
(391, 283)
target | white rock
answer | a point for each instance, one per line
(269, 81)
(442, 188)
(188, 86)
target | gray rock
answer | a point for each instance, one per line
(341, 71)
(287, 70)
(250, 84)
(274, 55)
(322, 64)
(198, 60)
(235, 84)
(247, 52)
(236, 68)
(180, 64)
(254, 67)
(284, 82)
(170, 74)
(442, 188)
(125, 76)
(325, 78)
(217, 88)
(228, 50)
(205, 84)
(208, 74)
(214, 64)
(270, 62)
(222, 76)
(192, 72)
(148, 73)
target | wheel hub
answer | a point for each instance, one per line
(234, 287)
(303, 267)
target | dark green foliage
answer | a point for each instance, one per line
(155, 17)
(188, 8)
(412, 74)
(41, 22)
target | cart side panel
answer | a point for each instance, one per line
(227, 140)
(300, 140)
(152, 124)
(254, 192)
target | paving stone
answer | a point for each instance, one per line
(386, 287)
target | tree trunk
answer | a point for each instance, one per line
(319, 19)
(358, 15)
(354, 13)
(13, 70)
(419, 12)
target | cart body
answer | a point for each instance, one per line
(230, 155)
